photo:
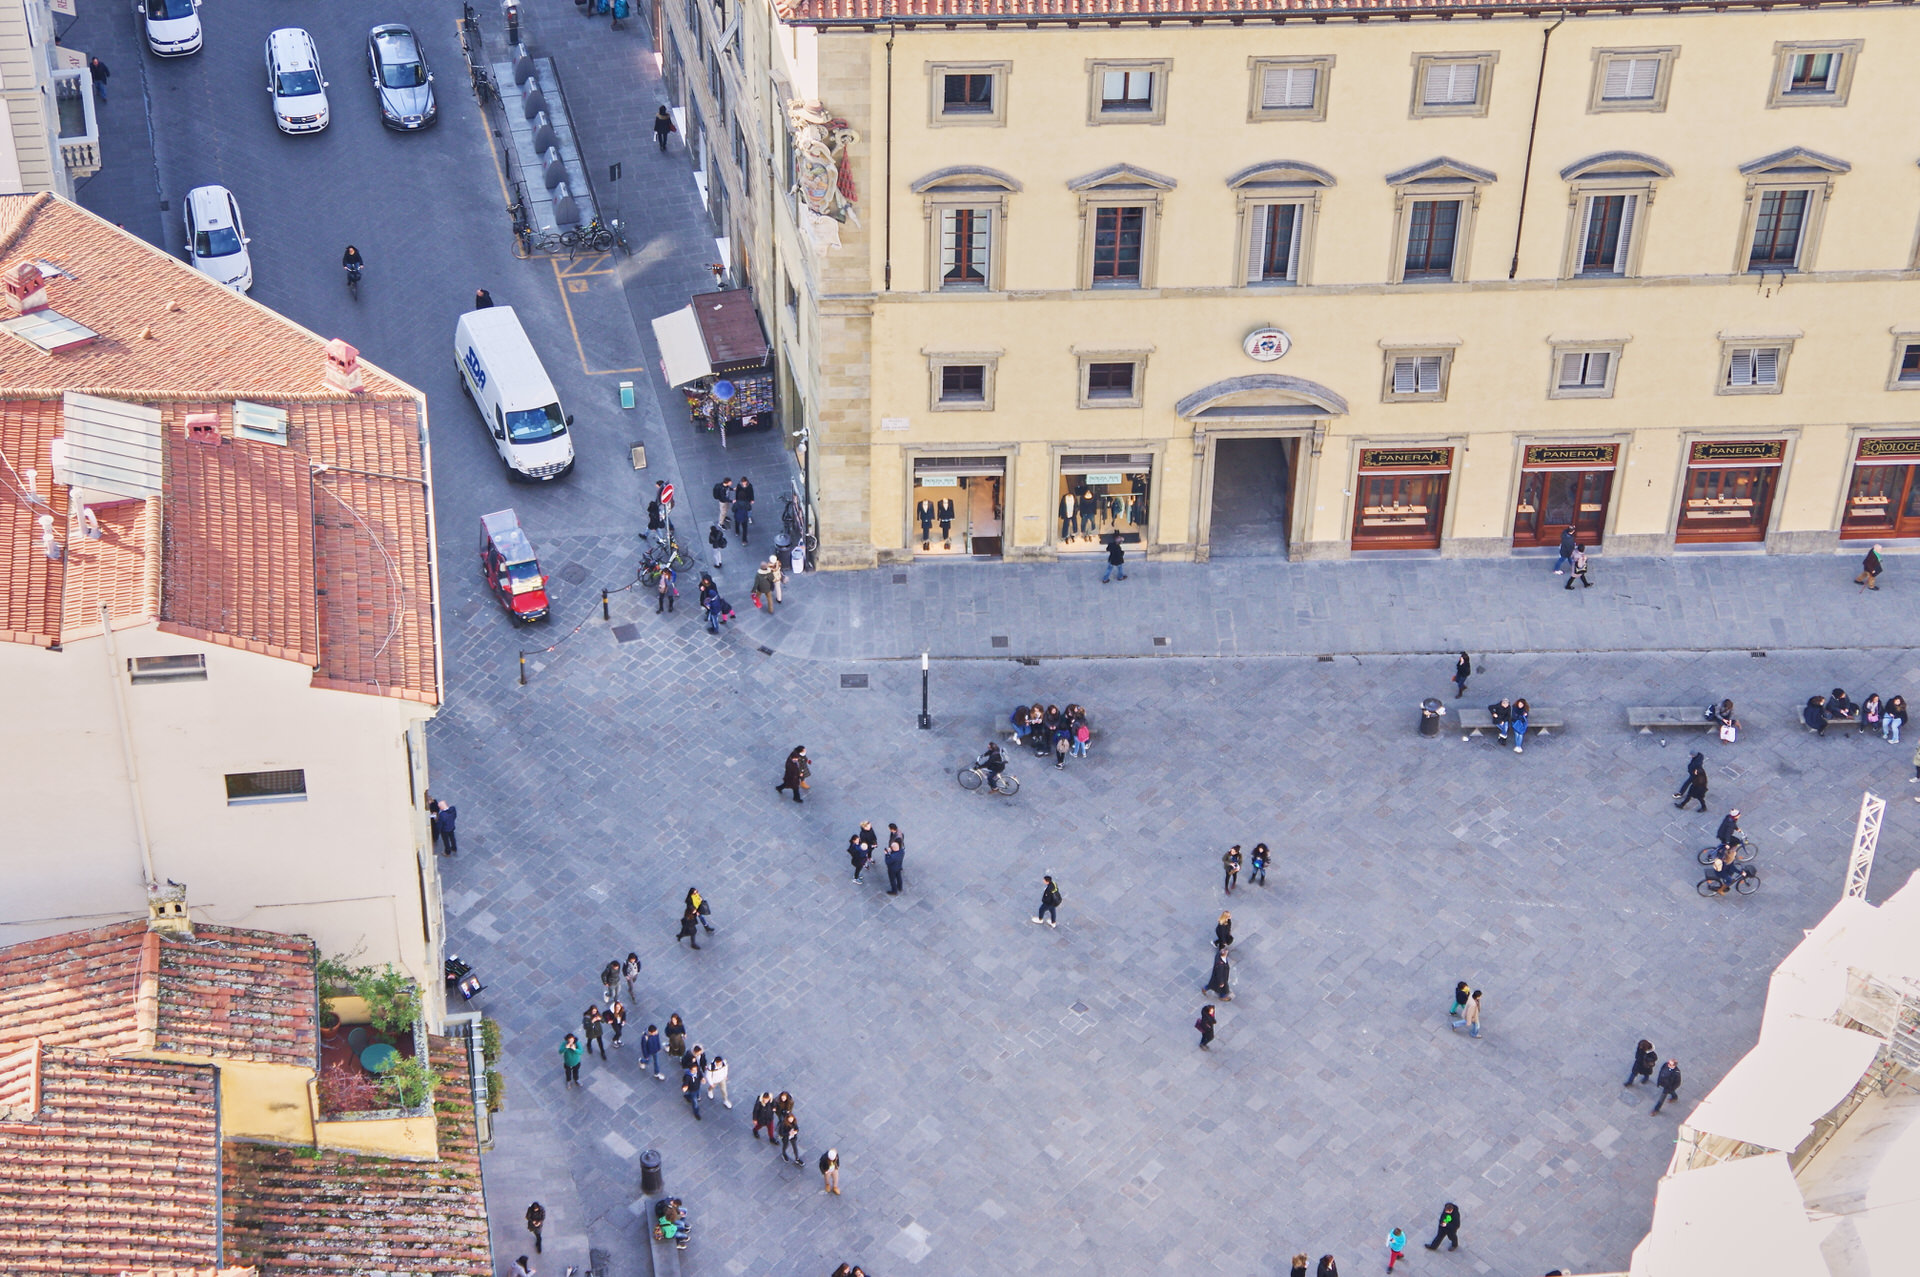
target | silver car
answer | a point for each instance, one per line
(401, 78)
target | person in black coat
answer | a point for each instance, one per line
(1502, 714)
(1815, 715)
(1219, 982)
(857, 852)
(1449, 1228)
(1694, 787)
(1668, 1082)
(795, 777)
(1870, 569)
(1729, 832)
(449, 814)
(1840, 705)
(1644, 1058)
(1462, 671)
(896, 859)
(1565, 560)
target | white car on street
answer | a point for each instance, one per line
(216, 238)
(294, 79)
(173, 26)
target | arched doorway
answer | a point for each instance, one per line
(1256, 439)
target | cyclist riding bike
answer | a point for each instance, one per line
(351, 261)
(1729, 833)
(1727, 872)
(994, 761)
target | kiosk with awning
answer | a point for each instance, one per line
(714, 351)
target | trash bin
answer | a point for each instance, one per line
(1430, 711)
(651, 1180)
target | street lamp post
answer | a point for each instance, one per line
(926, 719)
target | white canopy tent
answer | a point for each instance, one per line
(1799, 1071)
(683, 349)
(1741, 1217)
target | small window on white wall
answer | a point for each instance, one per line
(1584, 373)
(1289, 88)
(1753, 368)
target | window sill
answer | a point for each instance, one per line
(1104, 285)
(263, 799)
(1747, 390)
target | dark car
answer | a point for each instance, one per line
(401, 78)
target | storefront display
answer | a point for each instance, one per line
(1884, 498)
(1730, 488)
(1563, 486)
(1400, 497)
(1102, 496)
(956, 506)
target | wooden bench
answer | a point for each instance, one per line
(1648, 717)
(1540, 721)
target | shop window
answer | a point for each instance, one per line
(1289, 88)
(1883, 499)
(1111, 378)
(1631, 79)
(1452, 84)
(962, 381)
(247, 788)
(1730, 489)
(1418, 376)
(1400, 496)
(1103, 496)
(956, 507)
(1130, 92)
(1564, 486)
(1584, 373)
(968, 93)
(1752, 370)
(1813, 74)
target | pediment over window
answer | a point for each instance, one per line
(1616, 164)
(1440, 170)
(1280, 173)
(1121, 177)
(965, 177)
(1793, 161)
(1262, 394)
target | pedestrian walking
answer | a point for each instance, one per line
(610, 978)
(717, 1080)
(741, 505)
(1049, 910)
(1567, 547)
(1449, 1228)
(482, 299)
(689, 926)
(650, 1052)
(1116, 559)
(570, 1059)
(1893, 718)
(1870, 567)
(763, 1115)
(1230, 862)
(1518, 721)
(830, 1171)
(789, 1137)
(1257, 862)
(1916, 771)
(1206, 1025)
(1223, 931)
(1579, 568)
(1396, 1248)
(1472, 1016)
(594, 1027)
(1461, 993)
(779, 575)
(536, 1220)
(723, 500)
(522, 1267)
(663, 126)
(449, 814)
(98, 70)
(1327, 1267)
(676, 1036)
(798, 768)
(743, 491)
(1694, 787)
(1299, 1266)
(716, 543)
(1219, 982)
(896, 861)
(690, 1091)
(763, 585)
(857, 852)
(665, 591)
(1644, 1058)
(616, 1018)
(1462, 671)
(631, 970)
(1668, 1082)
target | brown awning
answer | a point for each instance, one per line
(730, 326)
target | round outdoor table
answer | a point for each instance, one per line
(378, 1058)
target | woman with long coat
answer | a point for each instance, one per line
(1694, 787)
(1218, 982)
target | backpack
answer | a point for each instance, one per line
(716, 538)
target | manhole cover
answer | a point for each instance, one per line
(573, 574)
(853, 680)
(999, 640)
(626, 633)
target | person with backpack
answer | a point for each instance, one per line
(1049, 910)
(663, 126)
(716, 542)
(723, 498)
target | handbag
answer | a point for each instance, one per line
(1727, 732)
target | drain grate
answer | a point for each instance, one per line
(1325, 660)
(765, 650)
(1757, 655)
(998, 640)
(573, 574)
(626, 633)
(1158, 641)
(848, 681)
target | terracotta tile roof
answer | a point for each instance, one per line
(344, 1213)
(119, 1168)
(124, 990)
(248, 547)
(827, 12)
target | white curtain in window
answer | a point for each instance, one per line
(1288, 88)
(1630, 79)
(1452, 83)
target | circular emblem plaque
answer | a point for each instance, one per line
(1267, 344)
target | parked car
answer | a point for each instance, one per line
(298, 89)
(401, 78)
(216, 238)
(173, 26)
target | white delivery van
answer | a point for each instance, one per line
(504, 379)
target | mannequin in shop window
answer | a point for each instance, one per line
(1089, 511)
(1067, 521)
(946, 522)
(1138, 514)
(924, 512)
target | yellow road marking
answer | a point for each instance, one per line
(565, 285)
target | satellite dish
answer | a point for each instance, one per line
(723, 390)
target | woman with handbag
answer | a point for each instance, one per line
(1694, 787)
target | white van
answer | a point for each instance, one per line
(503, 377)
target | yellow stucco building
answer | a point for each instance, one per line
(1326, 279)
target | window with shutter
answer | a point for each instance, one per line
(1273, 243)
(1452, 84)
(1766, 367)
(1754, 368)
(1585, 369)
(1606, 234)
(964, 247)
(1429, 374)
(1740, 368)
(1288, 88)
(1416, 375)
(1630, 79)
(1404, 376)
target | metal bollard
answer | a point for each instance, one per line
(652, 1180)
(605, 615)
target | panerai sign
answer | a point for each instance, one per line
(1267, 344)
(1733, 453)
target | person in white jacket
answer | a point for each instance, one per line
(717, 1079)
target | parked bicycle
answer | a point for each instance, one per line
(1743, 850)
(793, 522)
(664, 546)
(978, 777)
(1744, 879)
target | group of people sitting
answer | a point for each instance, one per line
(1050, 730)
(1510, 715)
(1870, 715)
(670, 1222)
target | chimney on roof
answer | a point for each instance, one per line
(343, 367)
(203, 427)
(167, 909)
(25, 287)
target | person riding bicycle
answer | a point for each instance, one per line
(1729, 833)
(351, 259)
(1726, 871)
(994, 761)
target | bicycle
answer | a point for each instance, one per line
(353, 281)
(977, 776)
(1746, 882)
(665, 547)
(793, 522)
(1741, 851)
